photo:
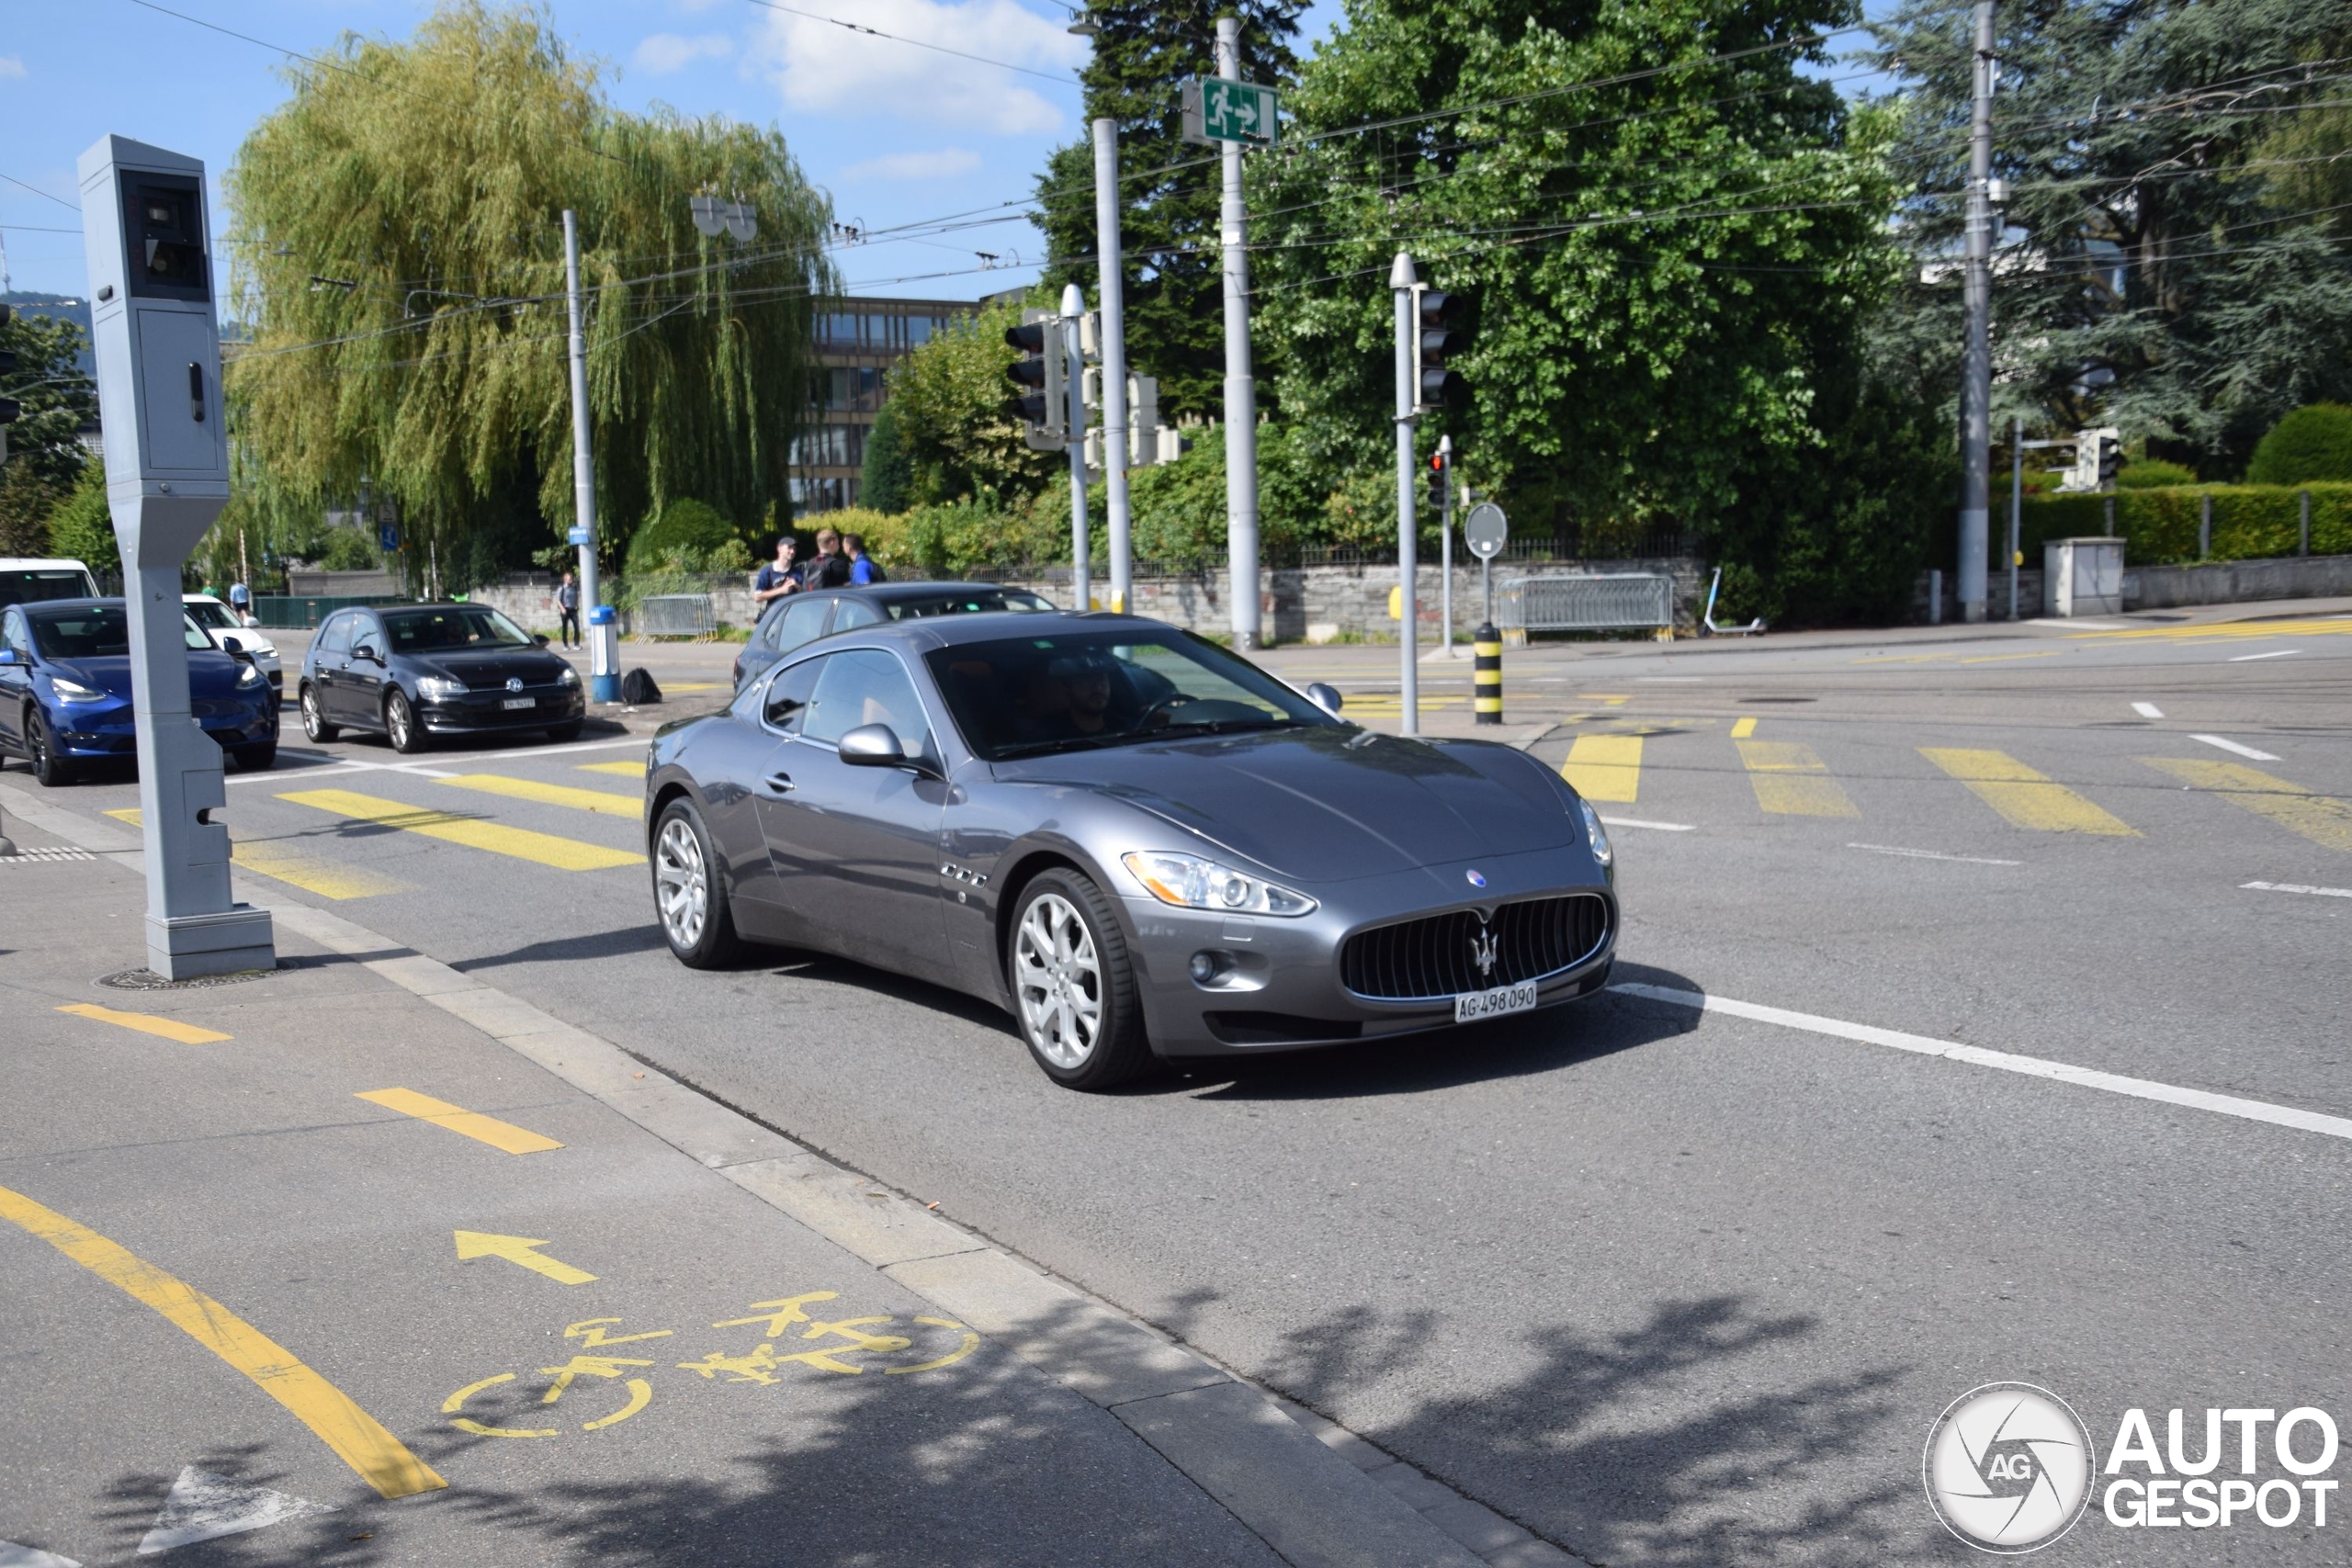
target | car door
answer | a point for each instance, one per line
(736, 765)
(855, 848)
(15, 677)
(329, 660)
(361, 681)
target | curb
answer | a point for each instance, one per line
(1320, 1496)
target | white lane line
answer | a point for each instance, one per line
(2250, 657)
(2147, 710)
(2004, 1061)
(358, 765)
(1661, 827)
(2298, 887)
(1932, 854)
(1670, 677)
(2081, 625)
(2227, 745)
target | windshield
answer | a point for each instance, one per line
(22, 585)
(455, 629)
(100, 631)
(1028, 696)
(978, 600)
(212, 613)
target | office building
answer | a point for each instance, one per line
(857, 342)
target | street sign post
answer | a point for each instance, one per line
(1485, 531)
(155, 338)
(1217, 111)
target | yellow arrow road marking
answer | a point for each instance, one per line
(357, 1438)
(600, 800)
(148, 1023)
(457, 1119)
(517, 1249)
(2027, 799)
(545, 849)
(2323, 820)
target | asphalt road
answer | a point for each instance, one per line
(1666, 1286)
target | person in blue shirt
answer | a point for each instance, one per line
(778, 577)
(863, 569)
(240, 600)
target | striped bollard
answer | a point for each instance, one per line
(1488, 677)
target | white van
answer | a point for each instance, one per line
(25, 578)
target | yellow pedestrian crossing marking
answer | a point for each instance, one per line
(2002, 657)
(599, 800)
(1609, 699)
(2335, 627)
(544, 849)
(2027, 799)
(457, 1119)
(148, 1023)
(1605, 767)
(1744, 728)
(699, 686)
(1791, 781)
(627, 770)
(2323, 820)
(312, 873)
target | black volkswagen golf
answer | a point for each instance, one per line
(419, 671)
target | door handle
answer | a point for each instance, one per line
(780, 783)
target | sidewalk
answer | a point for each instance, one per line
(500, 1292)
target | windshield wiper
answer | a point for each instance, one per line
(1220, 726)
(1068, 743)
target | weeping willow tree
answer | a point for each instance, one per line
(397, 251)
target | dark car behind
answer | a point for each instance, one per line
(803, 617)
(415, 671)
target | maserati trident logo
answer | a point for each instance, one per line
(1478, 878)
(1482, 952)
(514, 683)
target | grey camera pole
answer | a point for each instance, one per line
(1073, 309)
(1241, 384)
(1401, 278)
(1114, 352)
(156, 341)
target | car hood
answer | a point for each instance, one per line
(210, 673)
(490, 666)
(1326, 803)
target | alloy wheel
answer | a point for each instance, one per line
(1058, 979)
(313, 721)
(681, 883)
(396, 721)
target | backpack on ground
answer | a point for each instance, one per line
(638, 688)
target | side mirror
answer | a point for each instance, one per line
(872, 746)
(8, 656)
(1328, 698)
(539, 640)
(232, 645)
(366, 650)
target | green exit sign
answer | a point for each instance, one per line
(1216, 110)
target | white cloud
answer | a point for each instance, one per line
(665, 52)
(11, 66)
(822, 67)
(939, 165)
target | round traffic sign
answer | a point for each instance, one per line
(1485, 529)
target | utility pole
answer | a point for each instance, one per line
(1977, 375)
(1240, 386)
(2016, 503)
(1074, 360)
(603, 681)
(1115, 351)
(1445, 537)
(1401, 278)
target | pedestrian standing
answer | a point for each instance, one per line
(863, 569)
(241, 601)
(778, 577)
(567, 604)
(831, 569)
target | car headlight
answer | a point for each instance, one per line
(249, 676)
(1595, 833)
(439, 688)
(570, 677)
(74, 690)
(1190, 883)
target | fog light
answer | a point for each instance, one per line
(1207, 965)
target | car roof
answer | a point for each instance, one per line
(995, 626)
(46, 605)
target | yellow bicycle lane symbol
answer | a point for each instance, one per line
(840, 1340)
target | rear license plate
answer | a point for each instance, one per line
(518, 702)
(1472, 1006)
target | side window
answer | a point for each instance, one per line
(368, 631)
(335, 636)
(802, 620)
(867, 686)
(13, 633)
(856, 613)
(787, 699)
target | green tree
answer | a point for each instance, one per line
(82, 527)
(54, 400)
(400, 250)
(2310, 444)
(1663, 271)
(2150, 277)
(885, 483)
(685, 526)
(949, 397)
(1174, 293)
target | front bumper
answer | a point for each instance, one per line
(1284, 991)
(479, 712)
(88, 730)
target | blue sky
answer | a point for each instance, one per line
(896, 133)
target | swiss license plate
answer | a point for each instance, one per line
(1471, 1006)
(518, 702)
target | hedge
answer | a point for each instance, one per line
(2159, 526)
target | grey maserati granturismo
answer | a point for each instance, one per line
(1138, 844)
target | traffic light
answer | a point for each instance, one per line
(1440, 478)
(2110, 459)
(1439, 319)
(1043, 403)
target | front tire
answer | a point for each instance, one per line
(400, 724)
(315, 718)
(689, 900)
(49, 764)
(1073, 987)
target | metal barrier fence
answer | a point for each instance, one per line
(676, 615)
(1602, 602)
(289, 612)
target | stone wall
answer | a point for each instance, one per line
(2167, 587)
